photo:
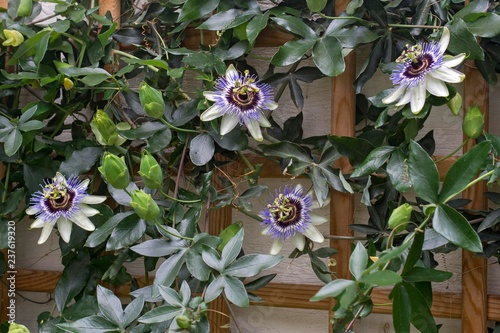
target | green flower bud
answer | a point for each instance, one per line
(68, 84)
(17, 328)
(144, 205)
(104, 129)
(473, 122)
(399, 217)
(183, 321)
(150, 171)
(12, 38)
(25, 8)
(114, 171)
(455, 104)
(151, 100)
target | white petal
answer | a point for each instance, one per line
(271, 105)
(60, 178)
(231, 73)
(418, 94)
(263, 122)
(32, 210)
(254, 129)
(276, 247)
(405, 99)
(317, 219)
(82, 221)
(89, 211)
(265, 230)
(93, 199)
(394, 95)
(211, 113)
(47, 229)
(447, 75)
(315, 203)
(84, 184)
(445, 40)
(228, 122)
(450, 61)
(38, 223)
(64, 226)
(299, 241)
(437, 87)
(313, 234)
(211, 95)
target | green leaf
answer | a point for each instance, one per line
(327, 55)
(382, 278)
(286, 150)
(316, 6)
(389, 254)
(160, 314)
(423, 173)
(156, 248)
(29, 47)
(201, 149)
(132, 311)
(401, 309)
(145, 131)
(490, 220)
(126, 233)
(235, 291)
(494, 140)
(13, 142)
(332, 289)
(373, 161)
(414, 253)
(169, 269)
(110, 305)
(292, 51)
(214, 289)
(92, 324)
(80, 161)
(73, 279)
(463, 171)
(488, 25)
(421, 316)
(353, 36)
(255, 26)
(355, 149)
(398, 171)
(170, 295)
(31, 125)
(295, 25)
(358, 261)
(195, 9)
(259, 282)
(463, 41)
(99, 235)
(251, 265)
(232, 248)
(226, 19)
(419, 274)
(454, 227)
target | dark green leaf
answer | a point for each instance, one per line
(226, 19)
(184, 113)
(73, 279)
(316, 5)
(454, 227)
(423, 173)
(156, 248)
(145, 131)
(353, 36)
(169, 269)
(332, 289)
(255, 26)
(126, 233)
(92, 324)
(292, 51)
(13, 142)
(286, 150)
(398, 171)
(99, 235)
(488, 25)
(401, 309)
(29, 47)
(195, 9)
(161, 314)
(80, 161)
(236, 140)
(414, 253)
(235, 291)
(251, 265)
(358, 261)
(463, 41)
(110, 305)
(490, 220)
(295, 25)
(421, 316)
(373, 161)
(201, 149)
(463, 171)
(327, 55)
(259, 282)
(355, 149)
(382, 278)
(418, 274)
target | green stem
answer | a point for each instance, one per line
(423, 26)
(178, 128)
(252, 215)
(179, 200)
(162, 227)
(478, 179)
(269, 138)
(6, 185)
(454, 151)
(246, 161)
(128, 55)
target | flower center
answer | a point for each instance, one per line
(417, 62)
(58, 197)
(284, 210)
(244, 95)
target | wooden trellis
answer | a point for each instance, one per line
(474, 306)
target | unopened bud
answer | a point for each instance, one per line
(150, 171)
(144, 205)
(151, 100)
(455, 104)
(115, 171)
(104, 129)
(68, 84)
(12, 38)
(400, 216)
(473, 122)
(25, 8)
(17, 328)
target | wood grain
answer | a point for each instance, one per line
(113, 6)
(474, 270)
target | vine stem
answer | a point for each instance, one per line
(128, 55)
(162, 227)
(6, 186)
(179, 200)
(178, 128)
(246, 161)
(453, 152)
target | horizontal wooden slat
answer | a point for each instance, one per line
(445, 305)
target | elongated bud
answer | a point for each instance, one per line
(25, 8)
(183, 321)
(115, 171)
(473, 122)
(455, 104)
(400, 216)
(12, 38)
(150, 171)
(144, 205)
(18, 328)
(104, 129)
(151, 100)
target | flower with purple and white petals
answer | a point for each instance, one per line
(63, 201)
(240, 99)
(290, 216)
(421, 68)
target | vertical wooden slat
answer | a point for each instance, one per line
(218, 220)
(343, 113)
(113, 6)
(474, 270)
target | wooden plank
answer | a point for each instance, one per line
(113, 6)
(474, 270)
(343, 122)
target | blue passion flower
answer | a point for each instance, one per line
(240, 99)
(63, 201)
(421, 68)
(290, 216)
